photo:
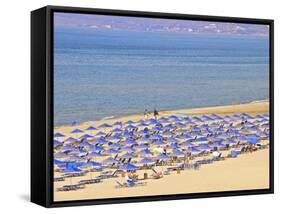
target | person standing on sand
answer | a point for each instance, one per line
(155, 113)
(145, 114)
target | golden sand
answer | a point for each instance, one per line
(247, 171)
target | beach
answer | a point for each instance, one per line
(249, 170)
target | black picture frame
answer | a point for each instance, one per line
(42, 105)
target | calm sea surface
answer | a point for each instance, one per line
(99, 74)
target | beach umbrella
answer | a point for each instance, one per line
(193, 149)
(117, 130)
(143, 132)
(159, 143)
(67, 148)
(71, 140)
(75, 131)
(58, 134)
(111, 151)
(127, 149)
(146, 160)
(156, 137)
(128, 134)
(128, 167)
(157, 128)
(145, 152)
(117, 123)
(142, 146)
(100, 140)
(130, 122)
(201, 139)
(130, 127)
(85, 143)
(86, 136)
(105, 125)
(94, 154)
(115, 145)
(97, 148)
(128, 155)
(110, 160)
(172, 140)
(130, 142)
(91, 128)
(57, 143)
(100, 133)
(187, 143)
(205, 146)
(252, 140)
(142, 124)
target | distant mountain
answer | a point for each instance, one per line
(149, 24)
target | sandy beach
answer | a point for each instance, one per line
(247, 171)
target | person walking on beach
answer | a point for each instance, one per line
(145, 114)
(155, 113)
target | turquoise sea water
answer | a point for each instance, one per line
(106, 73)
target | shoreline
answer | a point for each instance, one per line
(254, 107)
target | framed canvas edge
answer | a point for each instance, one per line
(49, 99)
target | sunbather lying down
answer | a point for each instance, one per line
(129, 183)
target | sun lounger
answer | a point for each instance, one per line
(70, 187)
(90, 181)
(129, 183)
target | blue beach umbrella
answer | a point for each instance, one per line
(105, 125)
(111, 151)
(117, 130)
(57, 143)
(117, 123)
(71, 140)
(146, 160)
(110, 160)
(130, 127)
(130, 142)
(94, 154)
(205, 146)
(128, 134)
(100, 134)
(158, 143)
(100, 140)
(75, 131)
(187, 143)
(97, 148)
(91, 128)
(193, 149)
(127, 149)
(129, 122)
(145, 152)
(128, 155)
(86, 144)
(128, 167)
(252, 140)
(115, 145)
(86, 136)
(58, 134)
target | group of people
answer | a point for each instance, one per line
(147, 113)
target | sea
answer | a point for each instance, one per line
(109, 73)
